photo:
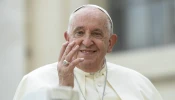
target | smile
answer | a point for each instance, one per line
(88, 51)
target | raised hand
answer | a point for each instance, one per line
(67, 62)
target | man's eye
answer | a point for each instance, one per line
(79, 33)
(97, 35)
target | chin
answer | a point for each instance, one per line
(87, 62)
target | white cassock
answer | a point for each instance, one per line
(121, 84)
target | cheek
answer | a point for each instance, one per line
(71, 39)
(103, 46)
(78, 41)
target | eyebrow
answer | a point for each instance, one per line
(78, 28)
(99, 30)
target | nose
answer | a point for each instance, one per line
(87, 41)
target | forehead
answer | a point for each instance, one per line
(89, 17)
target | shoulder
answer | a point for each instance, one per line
(130, 75)
(42, 75)
(119, 68)
(46, 69)
(125, 72)
(136, 80)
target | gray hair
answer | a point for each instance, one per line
(98, 7)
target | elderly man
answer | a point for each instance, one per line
(82, 66)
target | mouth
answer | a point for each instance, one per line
(88, 51)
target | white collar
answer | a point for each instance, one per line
(98, 73)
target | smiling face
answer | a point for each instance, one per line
(89, 28)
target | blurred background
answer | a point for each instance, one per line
(31, 34)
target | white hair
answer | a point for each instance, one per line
(110, 23)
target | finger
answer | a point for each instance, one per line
(63, 48)
(73, 58)
(75, 63)
(70, 55)
(68, 49)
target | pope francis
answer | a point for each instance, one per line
(82, 72)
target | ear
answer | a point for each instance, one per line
(112, 42)
(66, 36)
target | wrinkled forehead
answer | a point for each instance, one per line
(94, 7)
